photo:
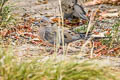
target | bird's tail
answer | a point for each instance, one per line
(83, 36)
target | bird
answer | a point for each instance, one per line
(51, 33)
(71, 9)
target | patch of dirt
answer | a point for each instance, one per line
(37, 10)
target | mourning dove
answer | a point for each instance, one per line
(71, 8)
(50, 32)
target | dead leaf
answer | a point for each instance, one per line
(100, 49)
(4, 32)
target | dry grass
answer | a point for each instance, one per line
(53, 68)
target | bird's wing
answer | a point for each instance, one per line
(79, 12)
(70, 36)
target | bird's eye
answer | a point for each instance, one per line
(69, 6)
(41, 21)
(65, 36)
(69, 32)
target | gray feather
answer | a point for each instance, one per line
(79, 12)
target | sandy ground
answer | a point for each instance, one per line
(35, 9)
